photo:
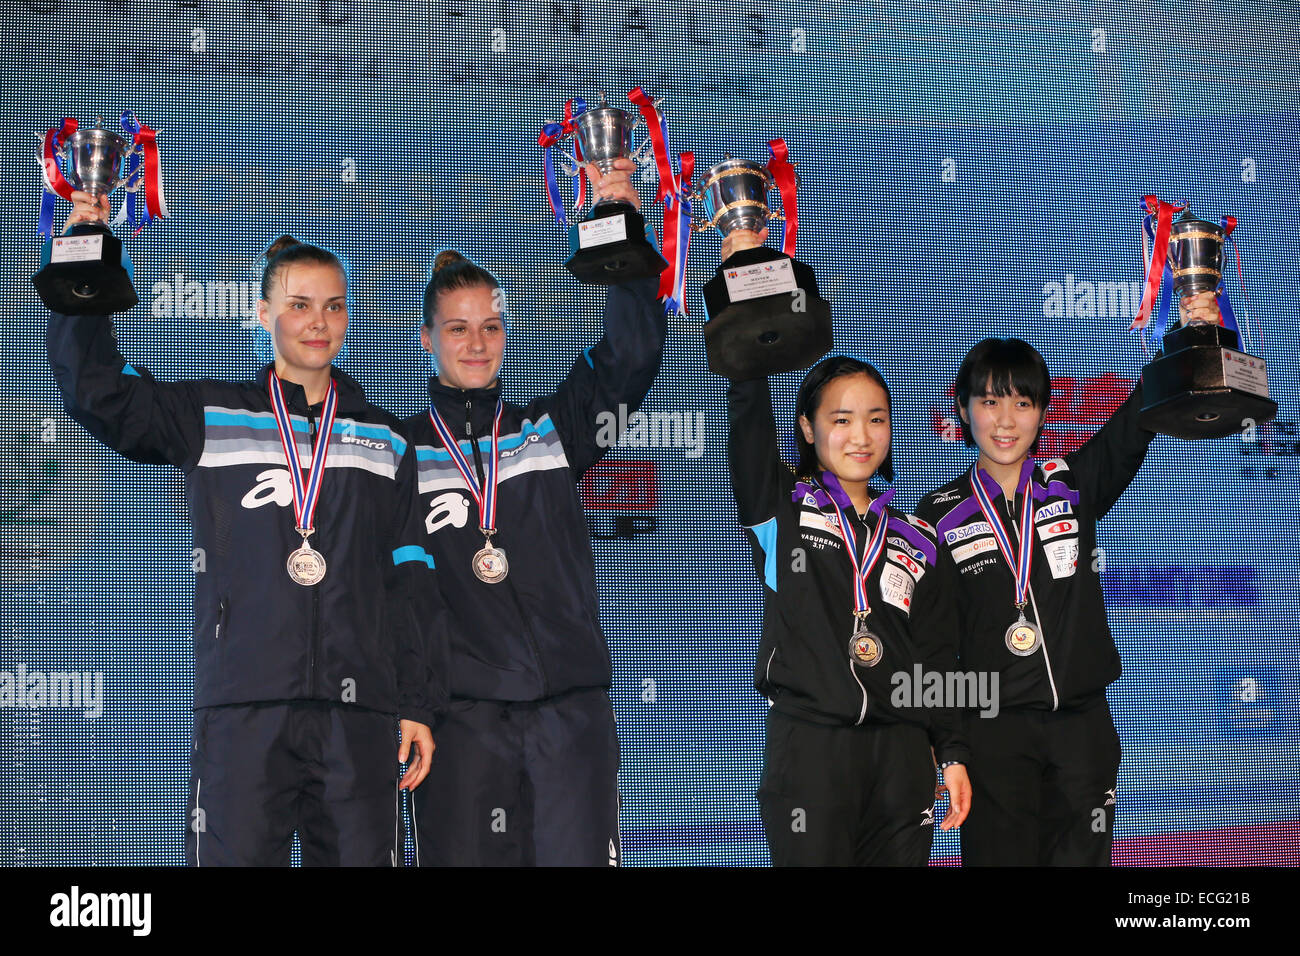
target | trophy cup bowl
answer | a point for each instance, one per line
(765, 313)
(611, 245)
(1202, 385)
(83, 271)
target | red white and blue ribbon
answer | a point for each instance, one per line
(485, 495)
(53, 181)
(1229, 224)
(678, 217)
(782, 171)
(305, 494)
(875, 548)
(1156, 227)
(144, 158)
(548, 139)
(1020, 564)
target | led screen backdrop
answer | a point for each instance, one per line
(966, 170)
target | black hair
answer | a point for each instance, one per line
(809, 397)
(1001, 367)
(452, 271)
(286, 251)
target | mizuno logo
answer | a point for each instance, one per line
(947, 496)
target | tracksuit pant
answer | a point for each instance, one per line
(261, 771)
(1043, 787)
(522, 783)
(846, 796)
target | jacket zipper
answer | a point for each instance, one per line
(510, 585)
(1038, 618)
(314, 647)
(221, 617)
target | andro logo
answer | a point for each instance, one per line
(191, 299)
(968, 531)
(1085, 299)
(74, 909)
(347, 439)
(528, 440)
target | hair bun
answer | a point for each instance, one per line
(447, 258)
(281, 244)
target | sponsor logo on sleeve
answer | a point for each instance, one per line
(966, 531)
(964, 552)
(1062, 557)
(1053, 509)
(1058, 528)
(896, 588)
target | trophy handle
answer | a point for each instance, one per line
(569, 165)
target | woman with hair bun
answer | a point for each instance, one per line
(316, 618)
(527, 767)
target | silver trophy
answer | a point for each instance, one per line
(765, 313)
(84, 271)
(610, 245)
(1202, 385)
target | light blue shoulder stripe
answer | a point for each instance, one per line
(543, 428)
(765, 535)
(412, 552)
(128, 370)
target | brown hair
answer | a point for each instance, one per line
(286, 251)
(451, 272)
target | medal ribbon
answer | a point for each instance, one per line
(484, 497)
(875, 548)
(783, 174)
(304, 496)
(1019, 567)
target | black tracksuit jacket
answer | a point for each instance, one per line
(371, 633)
(1077, 658)
(804, 664)
(537, 633)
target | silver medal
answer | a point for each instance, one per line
(1022, 638)
(306, 565)
(865, 648)
(490, 565)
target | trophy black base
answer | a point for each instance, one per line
(1202, 386)
(82, 273)
(765, 335)
(611, 246)
(599, 259)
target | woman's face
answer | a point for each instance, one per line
(1004, 427)
(850, 428)
(306, 312)
(468, 337)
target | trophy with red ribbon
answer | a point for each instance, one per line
(611, 245)
(765, 313)
(87, 270)
(1203, 384)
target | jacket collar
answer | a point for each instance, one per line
(352, 399)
